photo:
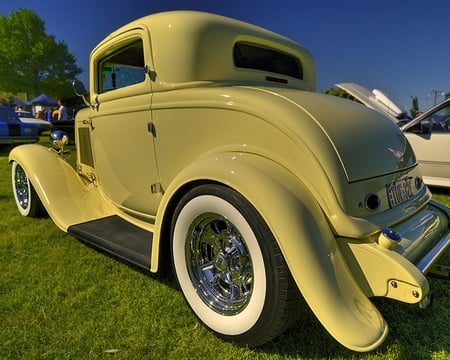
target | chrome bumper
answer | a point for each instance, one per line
(428, 260)
(395, 265)
(425, 236)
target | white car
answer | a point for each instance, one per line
(428, 133)
(28, 118)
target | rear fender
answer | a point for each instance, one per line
(305, 238)
(67, 198)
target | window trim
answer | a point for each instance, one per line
(103, 60)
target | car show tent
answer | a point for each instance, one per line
(43, 100)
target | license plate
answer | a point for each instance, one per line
(399, 191)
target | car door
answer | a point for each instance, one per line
(121, 127)
(430, 138)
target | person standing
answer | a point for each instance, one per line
(62, 111)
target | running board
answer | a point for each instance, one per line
(118, 238)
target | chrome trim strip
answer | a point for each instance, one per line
(425, 264)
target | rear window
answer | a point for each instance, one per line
(250, 56)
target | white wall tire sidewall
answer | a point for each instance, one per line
(246, 319)
(23, 211)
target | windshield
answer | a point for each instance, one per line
(439, 120)
(24, 114)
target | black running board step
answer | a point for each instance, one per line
(117, 237)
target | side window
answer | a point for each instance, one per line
(6, 113)
(122, 68)
(439, 120)
(250, 56)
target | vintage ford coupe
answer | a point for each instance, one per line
(206, 146)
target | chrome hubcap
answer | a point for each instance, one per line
(21, 187)
(219, 264)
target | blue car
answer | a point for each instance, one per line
(13, 131)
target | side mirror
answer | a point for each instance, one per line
(425, 126)
(80, 90)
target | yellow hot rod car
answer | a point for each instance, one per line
(205, 145)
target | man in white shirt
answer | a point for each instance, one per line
(62, 111)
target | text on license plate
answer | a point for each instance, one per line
(399, 191)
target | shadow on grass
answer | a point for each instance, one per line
(439, 190)
(165, 276)
(414, 334)
(5, 149)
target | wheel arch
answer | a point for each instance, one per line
(303, 235)
(160, 257)
(66, 198)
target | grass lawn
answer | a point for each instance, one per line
(60, 299)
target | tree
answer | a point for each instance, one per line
(414, 106)
(31, 60)
(339, 93)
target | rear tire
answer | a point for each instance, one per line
(27, 200)
(230, 268)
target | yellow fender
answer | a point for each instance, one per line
(305, 238)
(66, 197)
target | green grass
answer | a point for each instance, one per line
(60, 299)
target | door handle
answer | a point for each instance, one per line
(151, 128)
(88, 122)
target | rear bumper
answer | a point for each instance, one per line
(425, 236)
(429, 259)
(397, 270)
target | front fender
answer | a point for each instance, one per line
(67, 198)
(304, 236)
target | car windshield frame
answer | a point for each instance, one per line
(24, 114)
(427, 114)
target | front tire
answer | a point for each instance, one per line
(230, 268)
(27, 200)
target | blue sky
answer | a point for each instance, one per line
(399, 47)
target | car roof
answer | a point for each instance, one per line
(189, 46)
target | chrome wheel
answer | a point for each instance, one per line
(27, 201)
(219, 264)
(229, 266)
(21, 188)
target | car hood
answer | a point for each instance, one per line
(375, 100)
(367, 143)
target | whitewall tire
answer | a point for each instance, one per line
(27, 201)
(229, 267)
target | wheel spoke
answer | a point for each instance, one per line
(21, 187)
(219, 264)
